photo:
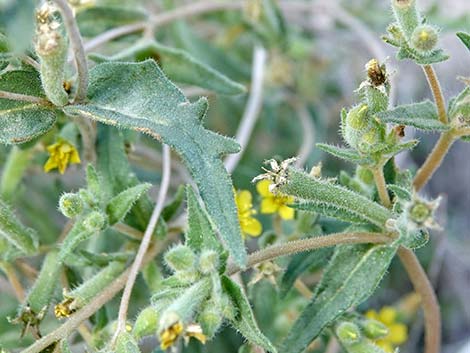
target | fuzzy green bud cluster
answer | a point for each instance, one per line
(358, 337)
(51, 47)
(71, 205)
(424, 38)
(348, 332)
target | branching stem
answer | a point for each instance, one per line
(77, 47)
(436, 92)
(432, 314)
(302, 245)
(122, 316)
(434, 159)
(381, 186)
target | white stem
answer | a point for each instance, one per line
(126, 295)
(252, 109)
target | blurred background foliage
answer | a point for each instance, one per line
(315, 62)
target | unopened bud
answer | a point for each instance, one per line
(424, 38)
(94, 221)
(180, 258)
(374, 329)
(208, 261)
(406, 15)
(71, 205)
(348, 332)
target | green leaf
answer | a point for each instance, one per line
(465, 38)
(351, 277)
(393, 150)
(323, 192)
(347, 154)
(245, 321)
(23, 121)
(434, 57)
(14, 232)
(178, 65)
(140, 97)
(311, 261)
(419, 115)
(328, 210)
(172, 207)
(200, 234)
(97, 19)
(121, 204)
(400, 192)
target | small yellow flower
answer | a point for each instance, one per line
(249, 224)
(61, 154)
(274, 203)
(170, 335)
(398, 333)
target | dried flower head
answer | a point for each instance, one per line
(278, 174)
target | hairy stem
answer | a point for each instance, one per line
(436, 92)
(14, 281)
(302, 245)
(23, 98)
(381, 186)
(252, 108)
(434, 160)
(122, 316)
(77, 47)
(432, 314)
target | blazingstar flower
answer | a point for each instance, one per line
(274, 202)
(61, 154)
(398, 333)
(249, 224)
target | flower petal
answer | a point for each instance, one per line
(286, 212)
(252, 227)
(398, 334)
(243, 200)
(263, 188)
(387, 315)
(268, 205)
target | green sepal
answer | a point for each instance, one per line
(178, 65)
(97, 19)
(146, 323)
(126, 343)
(20, 121)
(244, 321)
(15, 233)
(158, 108)
(421, 115)
(436, 56)
(121, 204)
(351, 277)
(348, 154)
(394, 149)
(400, 192)
(465, 38)
(310, 189)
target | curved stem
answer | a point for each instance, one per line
(252, 108)
(434, 160)
(379, 179)
(14, 281)
(77, 47)
(23, 98)
(296, 246)
(421, 284)
(134, 271)
(436, 92)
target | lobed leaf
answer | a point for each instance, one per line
(178, 65)
(23, 121)
(139, 97)
(351, 277)
(419, 115)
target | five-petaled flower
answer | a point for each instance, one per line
(273, 202)
(397, 332)
(61, 154)
(249, 224)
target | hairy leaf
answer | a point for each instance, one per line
(465, 38)
(121, 204)
(23, 121)
(347, 154)
(178, 65)
(245, 321)
(140, 97)
(351, 277)
(419, 115)
(332, 211)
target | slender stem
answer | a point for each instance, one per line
(436, 92)
(77, 47)
(432, 314)
(381, 186)
(88, 133)
(252, 109)
(14, 281)
(434, 159)
(23, 98)
(296, 246)
(122, 316)
(128, 230)
(303, 289)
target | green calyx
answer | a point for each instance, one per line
(424, 38)
(70, 205)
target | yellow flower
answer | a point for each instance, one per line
(398, 333)
(273, 203)
(170, 335)
(249, 224)
(61, 154)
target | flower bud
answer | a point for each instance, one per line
(210, 318)
(146, 322)
(70, 205)
(406, 14)
(424, 38)
(348, 332)
(374, 329)
(94, 221)
(180, 258)
(208, 261)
